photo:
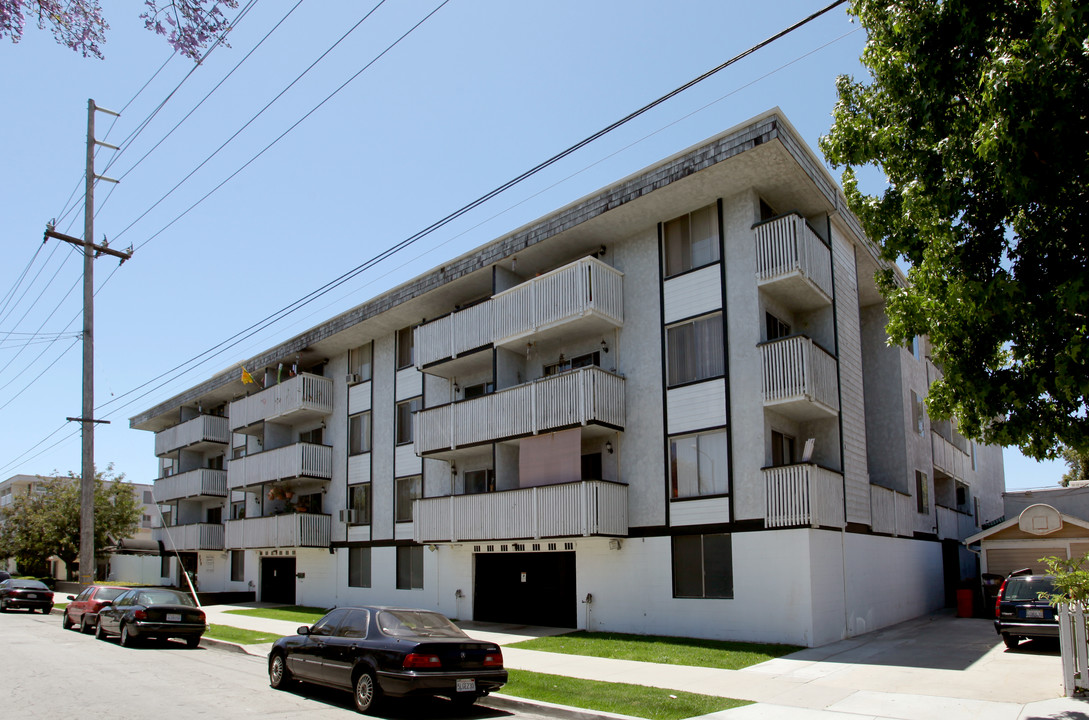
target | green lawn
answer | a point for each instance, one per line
(295, 613)
(636, 700)
(239, 635)
(658, 649)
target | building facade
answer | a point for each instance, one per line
(666, 408)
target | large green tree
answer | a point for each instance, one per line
(976, 112)
(39, 525)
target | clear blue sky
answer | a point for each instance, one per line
(480, 92)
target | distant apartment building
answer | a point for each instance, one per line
(667, 407)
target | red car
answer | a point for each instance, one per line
(83, 608)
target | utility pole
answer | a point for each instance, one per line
(90, 252)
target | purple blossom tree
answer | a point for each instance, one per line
(189, 25)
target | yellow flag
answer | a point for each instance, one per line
(247, 379)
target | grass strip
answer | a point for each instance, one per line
(295, 613)
(240, 636)
(636, 700)
(660, 649)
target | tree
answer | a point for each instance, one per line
(78, 24)
(1077, 466)
(976, 112)
(40, 525)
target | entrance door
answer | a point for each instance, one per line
(278, 580)
(526, 588)
(187, 563)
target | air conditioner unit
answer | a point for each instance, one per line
(348, 516)
(352, 378)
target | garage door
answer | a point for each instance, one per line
(526, 588)
(1003, 561)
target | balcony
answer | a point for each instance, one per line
(277, 531)
(800, 379)
(948, 458)
(793, 264)
(894, 513)
(803, 495)
(203, 482)
(301, 460)
(578, 397)
(199, 434)
(586, 296)
(579, 509)
(198, 536)
(298, 399)
(954, 525)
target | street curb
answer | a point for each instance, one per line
(211, 643)
(510, 702)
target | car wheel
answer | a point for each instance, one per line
(84, 626)
(366, 691)
(1012, 641)
(192, 642)
(100, 632)
(66, 622)
(279, 677)
(3, 606)
(127, 638)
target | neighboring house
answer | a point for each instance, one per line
(667, 407)
(1036, 532)
(1073, 500)
(25, 484)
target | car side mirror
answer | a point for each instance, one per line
(303, 630)
(106, 604)
(71, 597)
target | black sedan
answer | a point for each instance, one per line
(380, 652)
(25, 593)
(145, 613)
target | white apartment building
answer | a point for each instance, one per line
(666, 408)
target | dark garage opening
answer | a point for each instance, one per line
(526, 588)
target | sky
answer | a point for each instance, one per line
(276, 184)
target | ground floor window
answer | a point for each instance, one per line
(703, 566)
(238, 565)
(410, 574)
(359, 567)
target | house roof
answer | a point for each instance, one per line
(1034, 522)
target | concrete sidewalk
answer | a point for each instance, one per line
(931, 667)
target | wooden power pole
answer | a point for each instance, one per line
(90, 252)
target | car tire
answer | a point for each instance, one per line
(192, 642)
(279, 677)
(3, 606)
(365, 691)
(1012, 641)
(84, 626)
(127, 638)
(100, 632)
(66, 622)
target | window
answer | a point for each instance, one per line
(916, 413)
(922, 493)
(328, 624)
(691, 241)
(767, 212)
(359, 500)
(699, 465)
(238, 509)
(916, 347)
(406, 418)
(215, 463)
(695, 351)
(164, 566)
(238, 565)
(782, 449)
(479, 481)
(359, 567)
(359, 361)
(574, 363)
(408, 489)
(359, 433)
(168, 467)
(410, 574)
(313, 437)
(478, 390)
(775, 327)
(405, 348)
(355, 625)
(214, 515)
(308, 503)
(147, 497)
(702, 566)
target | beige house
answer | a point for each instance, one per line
(1039, 531)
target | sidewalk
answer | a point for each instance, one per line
(932, 667)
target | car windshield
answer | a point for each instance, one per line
(163, 597)
(28, 584)
(1028, 588)
(417, 623)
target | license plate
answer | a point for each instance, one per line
(173, 617)
(31, 596)
(1034, 613)
(466, 685)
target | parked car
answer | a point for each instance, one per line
(145, 613)
(1020, 613)
(25, 593)
(378, 652)
(4, 575)
(83, 609)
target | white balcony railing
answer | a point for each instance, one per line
(799, 372)
(297, 398)
(790, 253)
(804, 494)
(948, 458)
(572, 398)
(301, 460)
(198, 536)
(202, 482)
(202, 429)
(586, 288)
(288, 530)
(578, 509)
(954, 525)
(891, 512)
